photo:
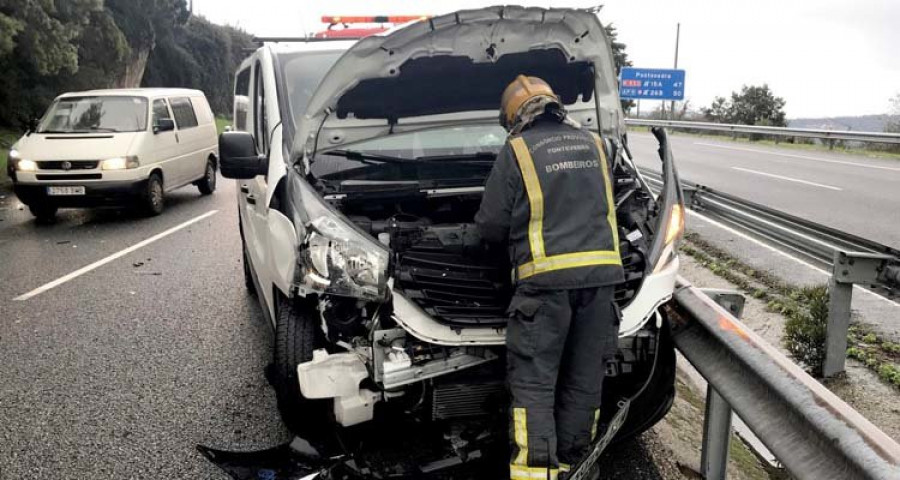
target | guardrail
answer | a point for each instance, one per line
(811, 431)
(849, 135)
(808, 240)
(852, 260)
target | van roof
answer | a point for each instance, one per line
(309, 46)
(137, 92)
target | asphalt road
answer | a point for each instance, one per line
(120, 372)
(852, 193)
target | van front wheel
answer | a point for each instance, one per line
(207, 184)
(43, 213)
(154, 196)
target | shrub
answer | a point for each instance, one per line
(804, 330)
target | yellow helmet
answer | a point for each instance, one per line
(517, 93)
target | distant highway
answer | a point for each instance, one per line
(852, 193)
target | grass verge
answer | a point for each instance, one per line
(744, 457)
(805, 310)
(221, 123)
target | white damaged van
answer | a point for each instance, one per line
(116, 148)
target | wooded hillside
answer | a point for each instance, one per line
(48, 47)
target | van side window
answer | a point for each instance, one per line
(241, 99)
(184, 113)
(160, 111)
(202, 109)
(261, 129)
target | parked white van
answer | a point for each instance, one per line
(116, 148)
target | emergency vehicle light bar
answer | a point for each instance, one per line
(346, 20)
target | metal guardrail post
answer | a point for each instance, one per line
(891, 276)
(717, 420)
(849, 268)
(840, 295)
(716, 436)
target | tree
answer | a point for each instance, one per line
(199, 55)
(144, 23)
(43, 32)
(893, 123)
(718, 112)
(618, 51)
(38, 52)
(754, 105)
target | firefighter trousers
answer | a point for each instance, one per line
(558, 343)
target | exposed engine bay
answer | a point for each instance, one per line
(439, 263)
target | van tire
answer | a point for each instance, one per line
(297, 334)
(154, 197)
(44, 213)
(207, 184)
(248, 275)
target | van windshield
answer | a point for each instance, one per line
(302, 73)
(95, 114)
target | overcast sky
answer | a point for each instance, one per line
(825, 57)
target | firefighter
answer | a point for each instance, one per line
(549, 201)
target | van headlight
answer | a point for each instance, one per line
(120, 163)
(23, 165)
(673, 234)
(341, 261)
(675, 227)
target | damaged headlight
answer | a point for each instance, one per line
(670, 226)
(340, 260)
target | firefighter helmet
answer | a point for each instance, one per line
(518, 93)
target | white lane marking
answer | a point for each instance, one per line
(782, 253)
(789, 179)
(804, 157)
(121, 253)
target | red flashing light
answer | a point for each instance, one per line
(349, 33)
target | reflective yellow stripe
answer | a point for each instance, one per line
(564, 467)
(594, 425)
(535, 197)
(519, 472)
(569, 260)
(521, 432)
(611, 216)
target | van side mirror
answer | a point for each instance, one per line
(163, 125)
(238, 157)
(31, 125)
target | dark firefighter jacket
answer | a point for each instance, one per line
(549, 195)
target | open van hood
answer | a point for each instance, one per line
(453, 68)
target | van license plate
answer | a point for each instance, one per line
(60, 191)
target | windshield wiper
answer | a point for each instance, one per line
(79, 132)
(366, 157)
(488, 157)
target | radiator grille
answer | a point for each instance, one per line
(71, 164)
(455, 289)
(458, 400)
